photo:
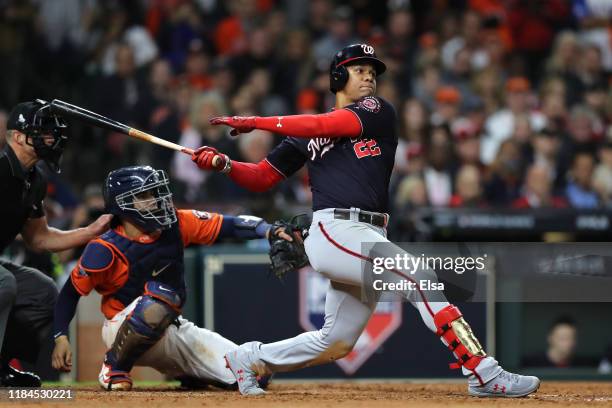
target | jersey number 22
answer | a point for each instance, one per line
(366, 147)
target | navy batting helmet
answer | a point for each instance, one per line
(338, 74)
(125, 196)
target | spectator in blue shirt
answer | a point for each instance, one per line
(579, 190)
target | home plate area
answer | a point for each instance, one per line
(343, 394)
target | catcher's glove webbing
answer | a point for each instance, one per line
(288, 256)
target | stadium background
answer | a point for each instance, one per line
(504, 108)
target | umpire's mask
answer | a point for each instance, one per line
(44, 130)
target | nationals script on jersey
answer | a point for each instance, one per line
(347, 172)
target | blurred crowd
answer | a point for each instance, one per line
(500, 103)
(561, 351)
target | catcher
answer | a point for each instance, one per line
(137, 267)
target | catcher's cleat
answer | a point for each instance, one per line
(506, 384)
(11, 377)
(241, 362)
(114, 380)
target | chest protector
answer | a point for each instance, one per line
(160, 261)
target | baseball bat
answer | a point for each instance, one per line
(98, 120)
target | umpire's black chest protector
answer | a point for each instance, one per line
(161, 261)
(22, 194)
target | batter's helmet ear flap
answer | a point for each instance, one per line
(354, 53)
(338, 78)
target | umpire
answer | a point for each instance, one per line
(27, 296)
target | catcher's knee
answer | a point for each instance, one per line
(155, 311)
(145, 326)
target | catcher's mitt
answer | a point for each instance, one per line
(288, 256)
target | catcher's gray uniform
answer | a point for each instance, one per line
(187, 350)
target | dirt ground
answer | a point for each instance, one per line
(337, 395)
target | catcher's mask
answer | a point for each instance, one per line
(142, 195)
(40, 126)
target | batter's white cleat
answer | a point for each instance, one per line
(241, 362)
(506, 384)
(114, 380)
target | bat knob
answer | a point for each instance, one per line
(221, 163)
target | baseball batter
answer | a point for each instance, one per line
(349, 153)
(137, 267)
